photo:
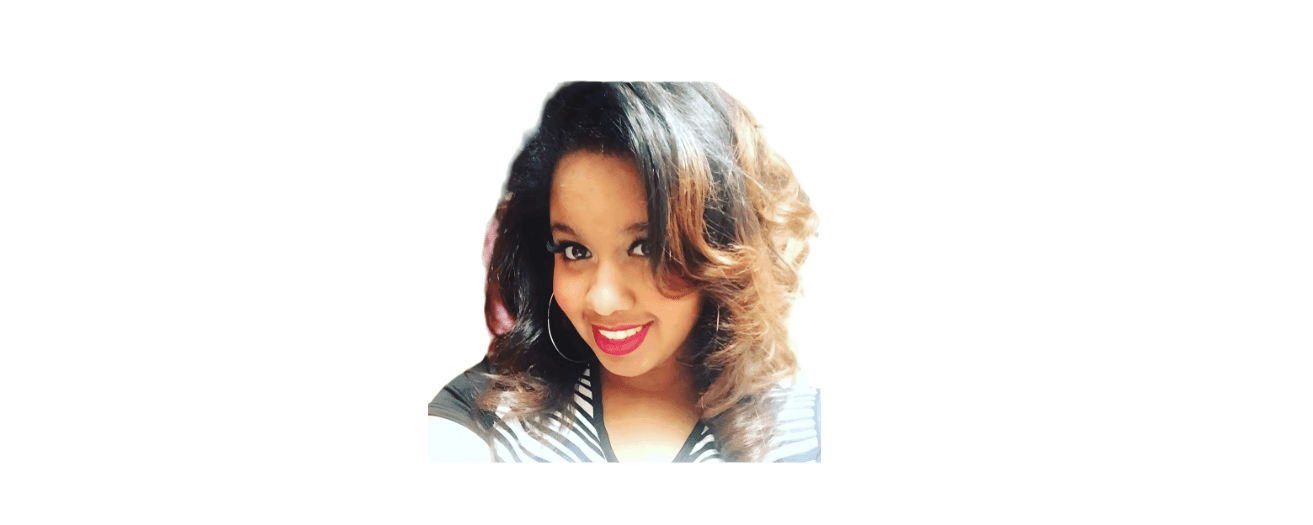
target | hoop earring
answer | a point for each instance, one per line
(549, 330)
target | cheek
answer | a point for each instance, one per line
(569, 295)
(680, 313)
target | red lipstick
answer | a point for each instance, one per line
(619, 346)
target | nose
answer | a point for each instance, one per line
(610, 291)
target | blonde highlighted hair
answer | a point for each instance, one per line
(725, 215)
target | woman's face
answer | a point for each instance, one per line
(602, 278)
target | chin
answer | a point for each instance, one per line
(624, 365)
(620, 369)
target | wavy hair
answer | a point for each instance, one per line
(725, 215)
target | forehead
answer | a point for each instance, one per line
(597, 194)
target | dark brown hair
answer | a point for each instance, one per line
(725, 215)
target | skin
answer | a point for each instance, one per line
(603, 278)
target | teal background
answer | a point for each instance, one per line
(1077, 256)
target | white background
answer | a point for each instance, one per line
(475, 127)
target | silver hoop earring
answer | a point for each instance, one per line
(549, 330)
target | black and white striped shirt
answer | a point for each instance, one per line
(799, 423)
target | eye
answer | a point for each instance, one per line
(639, 248)
(573, 251)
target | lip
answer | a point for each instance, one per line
(622, 346)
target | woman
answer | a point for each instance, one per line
(646, 256)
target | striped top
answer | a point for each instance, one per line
(510, 440)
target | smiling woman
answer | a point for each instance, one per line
(647, 252)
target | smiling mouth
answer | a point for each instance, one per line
(616, 336)
(620, 342)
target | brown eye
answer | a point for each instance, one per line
(639, 248)
(574, 252)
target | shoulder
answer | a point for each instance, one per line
(452, 442)
(798, 420)
(571, 435)
(456, 400)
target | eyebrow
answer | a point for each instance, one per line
(633, 229)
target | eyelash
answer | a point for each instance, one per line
(564, 247)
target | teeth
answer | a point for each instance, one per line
(620, 335)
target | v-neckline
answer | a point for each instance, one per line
(595, 377)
